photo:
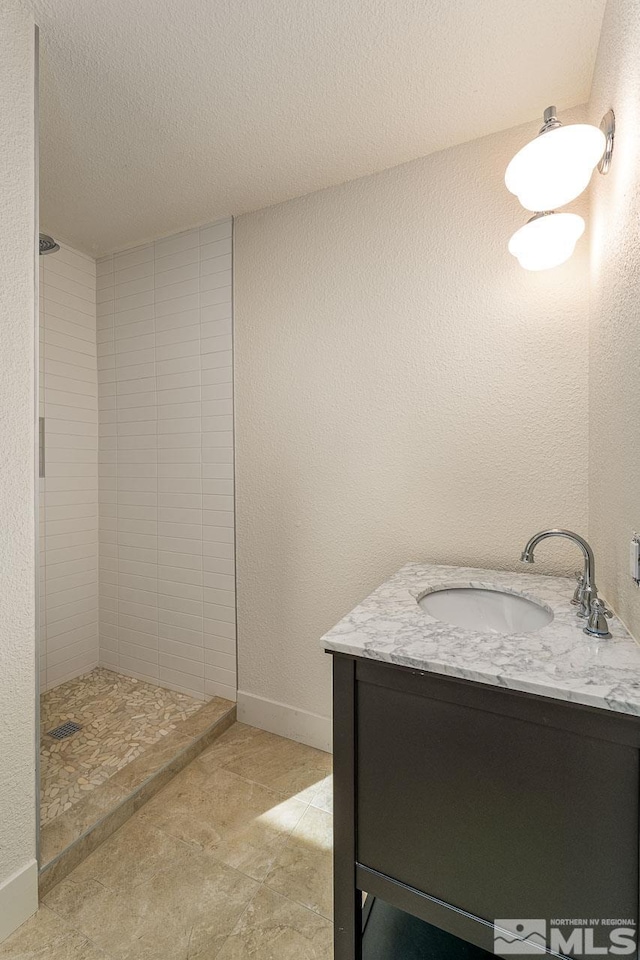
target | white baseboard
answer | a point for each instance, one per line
(18, 899)
(284, 720)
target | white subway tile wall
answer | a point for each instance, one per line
(69, 490)
(166, 528)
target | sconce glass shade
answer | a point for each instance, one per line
(556, 167)
(547, 240)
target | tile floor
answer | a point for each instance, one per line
(120, 718)
(231, 861)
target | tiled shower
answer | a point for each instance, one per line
(137, 568)
(166, 534)
(69, 490)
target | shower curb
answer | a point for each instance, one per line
(183, 749)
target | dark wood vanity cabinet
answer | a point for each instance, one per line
(462, 803)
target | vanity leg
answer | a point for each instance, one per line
(347, 897)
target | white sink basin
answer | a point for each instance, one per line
(485, 609)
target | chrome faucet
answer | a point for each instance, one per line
(586, 593)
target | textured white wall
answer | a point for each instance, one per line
(404, 391)
(17, 522)
(615, 334)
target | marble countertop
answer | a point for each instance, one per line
(558, 661)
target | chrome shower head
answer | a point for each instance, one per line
(48, 245)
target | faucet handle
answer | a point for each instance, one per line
(601, 607)
(597, 625)
(578, 593)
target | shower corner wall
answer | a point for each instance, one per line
(137, 508)
(167, 586)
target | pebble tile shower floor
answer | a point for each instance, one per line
(119, 717)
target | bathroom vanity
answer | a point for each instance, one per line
(481, 775)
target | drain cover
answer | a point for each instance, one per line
(65, 730)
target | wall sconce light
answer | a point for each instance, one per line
(556, 167)
(549, 172)
(546, 240)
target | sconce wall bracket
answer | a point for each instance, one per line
(608, 127)
(551, 121)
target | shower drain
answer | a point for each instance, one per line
(64, 730)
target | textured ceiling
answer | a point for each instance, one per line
(157, 115)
